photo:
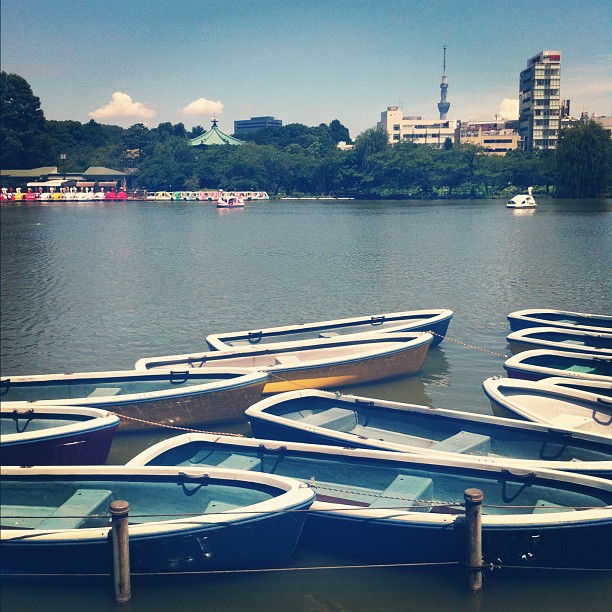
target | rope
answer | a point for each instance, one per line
(153, 423)
(471, 346)
(484, 566)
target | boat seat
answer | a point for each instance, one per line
(76, 510)
(330, 334)
(541, 506)
(464, 442)
(570, 421)
(240, 462)
(104, 391)
(287, 359)
(582, 369)
(337, 419)
(404, 492)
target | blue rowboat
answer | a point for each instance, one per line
(52, 435)
(536, 317)
(552, 405)
(56, 519)
(145, 399)
(543, 363)
(434, 321)
(321, 363)
(560, 339)
(385, 507)
(359, 422)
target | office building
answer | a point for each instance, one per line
(255, 123)
(540, 102)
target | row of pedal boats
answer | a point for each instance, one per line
(381, 480)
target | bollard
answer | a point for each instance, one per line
(121, 550)
(473, 529)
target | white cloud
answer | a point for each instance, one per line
(122, 105)
(202, 106)
(509, 109)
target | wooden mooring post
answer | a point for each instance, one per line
(121, 550)
(473, 530)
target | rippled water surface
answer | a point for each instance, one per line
(98, 286)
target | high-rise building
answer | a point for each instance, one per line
(540, 102)
(443, 105)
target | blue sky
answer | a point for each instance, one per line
(302, 61)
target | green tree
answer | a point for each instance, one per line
(22, 124)
(583, 161)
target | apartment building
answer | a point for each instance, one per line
(540, 102)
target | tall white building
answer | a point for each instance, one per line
(416, 129)
(540, 102)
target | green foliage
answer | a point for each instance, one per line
(297, 159)
(583, 161)
(22, 124)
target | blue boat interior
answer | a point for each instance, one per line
(573, 320)
(29, 421)
(429, 431)
(601, 366)
(58, 389)
(47, 503)
(376, 483)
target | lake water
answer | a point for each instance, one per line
(96, 286)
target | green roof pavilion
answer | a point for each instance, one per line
(214, 136)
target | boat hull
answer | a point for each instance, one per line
(434, 321)
(182, 403)
(358, 512)
(320, 364)
(56, 436)
(264, 532)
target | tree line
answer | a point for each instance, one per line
(297, 159)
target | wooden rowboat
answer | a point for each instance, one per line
(320, 363)
(55, 435)
(560, 339)
(358, 422)
(56, 519)
(536, 317)
(543, 363)
(433, 321)
(385, 507)
(552, 405)
(145, 399)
